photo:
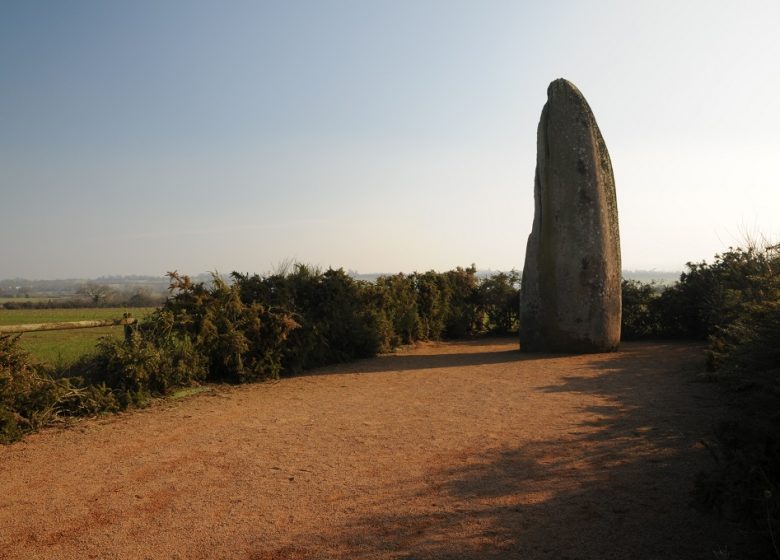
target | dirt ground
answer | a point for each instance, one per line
(467, 450)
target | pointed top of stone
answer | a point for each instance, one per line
(562, 84)
(563, 91)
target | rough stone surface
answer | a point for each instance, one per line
(570, 299)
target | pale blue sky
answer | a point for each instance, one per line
(140, 137)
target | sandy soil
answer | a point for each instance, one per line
(467, 450)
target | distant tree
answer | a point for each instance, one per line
(97, 293)
(142, 297)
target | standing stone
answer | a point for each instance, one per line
(570, 297)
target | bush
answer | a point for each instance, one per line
(750, 344)
(711, 296)
(433, 299)
(142, 367)
(396, 297)
(30, 397)
(640, 318)
(207, 332)
(464, 317)
(335, 316)
(499, 302)
(255, 327)
(744, 350)
(745, 484)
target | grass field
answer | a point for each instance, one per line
(64, 347)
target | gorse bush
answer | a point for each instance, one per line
(710, 296)
(433, 300)
(397, 297)
(259, 326)
(464, 316)
(240, 340)
(498, 302)
(751, 343)
(747, 335)
(142, 367)
(24, 396)
(340, 318)
(641, 311)
(201, 333)
(740, 312)
(30, 397)
(333, 315)
(253, 328)
(706, 299)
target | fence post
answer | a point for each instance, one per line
(128, 328)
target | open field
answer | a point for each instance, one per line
(19, 316)
(466, 450)
(64, 347)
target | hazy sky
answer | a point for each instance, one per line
(141, 137)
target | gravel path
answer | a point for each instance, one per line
(467, 450)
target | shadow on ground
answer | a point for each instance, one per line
(471, 354)
(616, 486)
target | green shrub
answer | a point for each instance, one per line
(201, 333)
(27, 398)
(464, 315)
(211, 332)
(30, 397)
(750, 344)
(711, 296)
(253, 328)
(640, 317)
(397, 300)
(744, 350)
(498, 297)
(432, 304)
(141, 367)
(336, 317)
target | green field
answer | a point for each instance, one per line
(64, 347)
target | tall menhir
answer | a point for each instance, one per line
(570, 296)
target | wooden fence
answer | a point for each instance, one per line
(127, 321)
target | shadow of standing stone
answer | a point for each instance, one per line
(570, 299)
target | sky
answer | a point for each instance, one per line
(378, 136)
